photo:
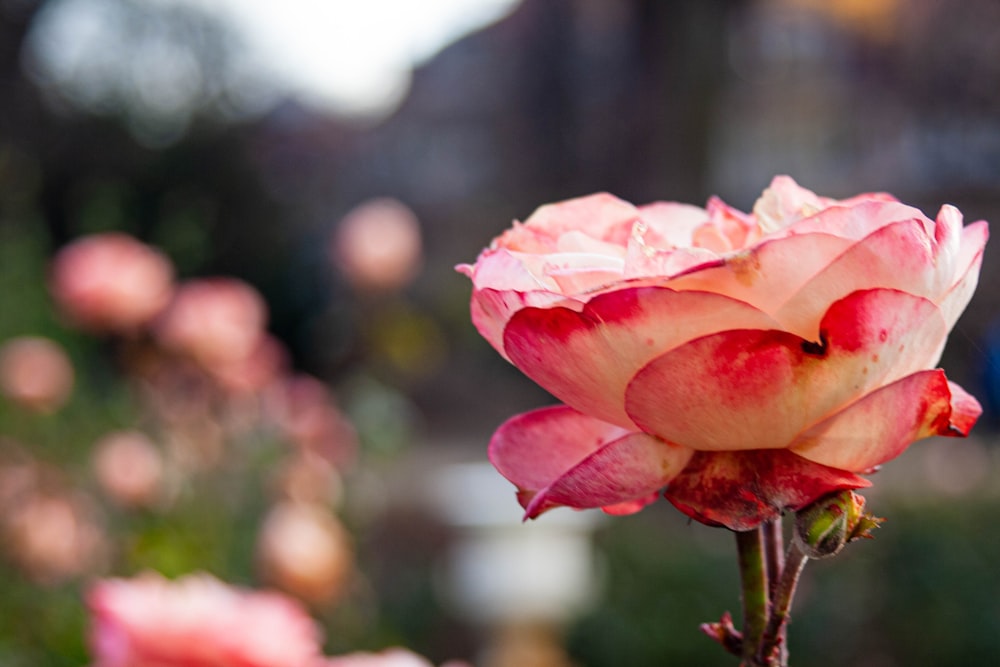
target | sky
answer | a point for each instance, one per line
(349, 57)
(354, 55)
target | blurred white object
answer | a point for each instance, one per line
(502, 570)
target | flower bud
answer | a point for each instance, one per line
(823, 528)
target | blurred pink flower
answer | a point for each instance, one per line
(53, 537)
(304, 409)
(35, 373)
(260, 368)
(377, 245)
(197, 621)
(111, 282)
(217, 322)
(128, 468)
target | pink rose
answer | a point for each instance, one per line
(111, 282)
(748, 363)
(197, 621)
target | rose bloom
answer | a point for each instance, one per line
(111, 282)
(749, 363)
(197, 621)
(35, 373)
(218, 322)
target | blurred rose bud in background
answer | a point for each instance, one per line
(128, 468)
(35, 373)
(305, 551)
(377, 245)
(215, 321)
(197, 621)
(110, 282)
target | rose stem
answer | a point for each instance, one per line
(774, 550)
(753, 576)
(781, 601)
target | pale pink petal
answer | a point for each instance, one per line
(856, 221)
(766, 274)
(578, 273)
(670, 224)
(759, 389)
(970, 258)
(559, 457)
(505, 270)
(785, 202)
(645, 262)
(587, 358)
(898, 256)
(738, 227)
(880, 426)
(740, 490)
(601, 216)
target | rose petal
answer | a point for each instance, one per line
(970, 259)
(491, 310)
(856, 219)
(880, 426)
(898, 256)
(759, 389)
(601, 216)
(587, 358)
(559, 457)
(768, 273)
(670, 224)
(740, 490)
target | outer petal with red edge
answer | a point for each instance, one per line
(884, 423)
(559, 457)
(741, 490)
(741, 390)
(898, 256)
(586, 359)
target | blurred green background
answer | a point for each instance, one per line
(159, 120)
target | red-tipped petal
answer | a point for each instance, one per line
(559, 457)
(587, 358)
(880, 426)
(740, 490)
(760, 389)
(898, 256)
(491, 310)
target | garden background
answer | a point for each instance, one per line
(157, 130)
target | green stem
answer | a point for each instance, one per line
(772, 642)
(753, 576)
